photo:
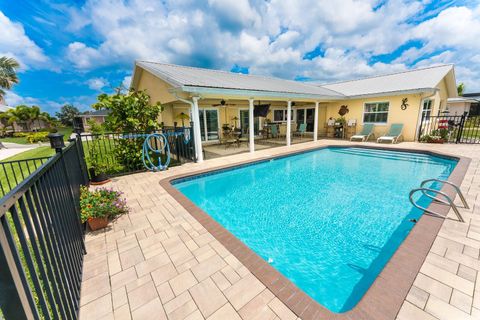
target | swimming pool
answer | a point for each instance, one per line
(328, 220)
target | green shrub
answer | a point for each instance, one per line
(20, 134)
(37, 137)
(101, 203)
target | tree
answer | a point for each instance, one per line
(130, 112)
(66, 115)
(8, 74)
(461, 89)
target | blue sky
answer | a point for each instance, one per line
(71, 51)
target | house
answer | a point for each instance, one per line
(217, 99)
(80, 122)
(468, 104)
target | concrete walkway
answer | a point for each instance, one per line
(158, 262)
(12, 149)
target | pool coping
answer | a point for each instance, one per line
(387, 293)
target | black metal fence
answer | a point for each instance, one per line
(41, 240)
(14, 172)
(121, 153)
(451, 129)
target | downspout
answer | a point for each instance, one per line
(420, 110)
(196, 128)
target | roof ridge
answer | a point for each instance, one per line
(233, 73)
(387, 74)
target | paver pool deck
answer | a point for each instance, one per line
(159, 262)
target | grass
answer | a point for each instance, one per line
(66, 131)
(12, 174)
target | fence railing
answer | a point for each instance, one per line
(452, 129)
(41, 240)
(14, 172)
(121, 153)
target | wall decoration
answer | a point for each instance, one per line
(404, 104)
(343, 110)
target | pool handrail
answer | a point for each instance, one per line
(449, 203)
(457, 189)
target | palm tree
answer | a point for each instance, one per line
(8, 74)
(35, 115)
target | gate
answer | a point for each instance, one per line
(450, 129)
(41, 240)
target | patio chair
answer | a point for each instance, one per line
(393, 134)
(302, 128)
(274, 131)
(365, 134)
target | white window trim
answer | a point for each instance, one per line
(284, 115)
(207, 141)
(376, 123)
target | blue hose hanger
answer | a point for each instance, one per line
(155, 143)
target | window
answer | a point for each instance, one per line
(281, 115)
(427, 109)
(376, 112)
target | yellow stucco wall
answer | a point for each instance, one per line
(408, 117)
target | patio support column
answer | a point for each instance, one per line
(251, 133)
(196, 129)
(289, 122)
(315, 123)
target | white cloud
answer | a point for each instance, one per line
(15, 43)
(127, 81)
(12, 99)
(97, 83)
(273, 37)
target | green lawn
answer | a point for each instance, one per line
(66, 131)
(11, 174)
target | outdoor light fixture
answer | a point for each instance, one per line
(56, 141)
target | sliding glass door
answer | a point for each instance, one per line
(209, 124)
(306, 116)
(244, 115)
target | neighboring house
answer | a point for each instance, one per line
(80, 122)
(213, 98)
(468, 104)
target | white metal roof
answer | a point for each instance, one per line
(4, 108)
(462, 99)
(188, 77)
(412, 80)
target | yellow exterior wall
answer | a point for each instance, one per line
(408, 117)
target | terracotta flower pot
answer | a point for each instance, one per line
(97, 223)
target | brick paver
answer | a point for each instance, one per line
(158, 262)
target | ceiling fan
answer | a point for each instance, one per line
(223, 103)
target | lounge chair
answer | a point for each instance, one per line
(302, 128)
(274, 131)
(365, 134)
(393, 134)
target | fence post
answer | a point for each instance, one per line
(460, 129)
(81, 155)
(175, 137)
(57, 145)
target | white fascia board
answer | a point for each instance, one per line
(258, 93)
(392, 93)
(160, 75)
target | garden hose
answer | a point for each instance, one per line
(159, 140)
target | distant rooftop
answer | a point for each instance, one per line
(96, 113)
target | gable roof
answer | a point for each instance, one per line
(199, 80)
(417, 80)
(189, 78)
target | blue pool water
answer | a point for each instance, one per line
(328, 220)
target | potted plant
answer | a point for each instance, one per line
(98, 173)
(98, 205)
